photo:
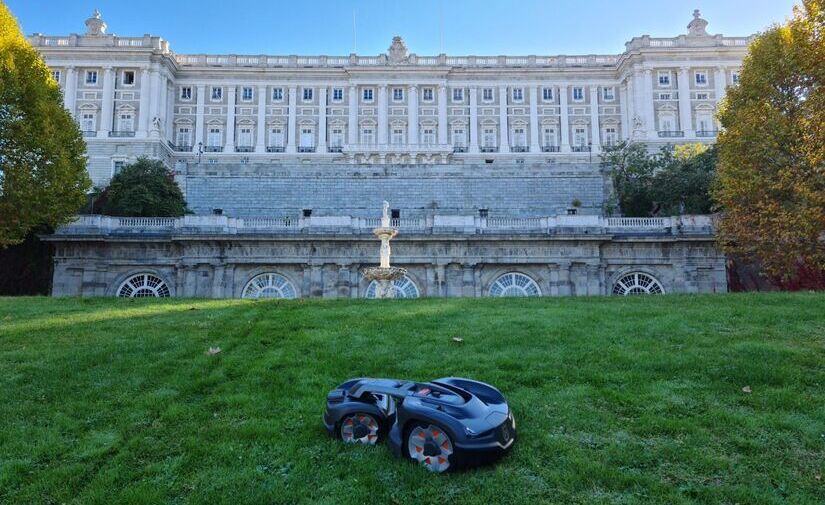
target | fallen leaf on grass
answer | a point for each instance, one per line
(458, 339)
(747, 389)
(213, 350)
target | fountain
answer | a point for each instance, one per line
(385, 274)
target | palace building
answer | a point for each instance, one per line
(491, 165)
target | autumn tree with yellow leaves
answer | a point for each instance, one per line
(771, 170)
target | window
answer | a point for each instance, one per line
(184, 137)
(514, 284)
(214, 137)
(117, 166)
(489, 137)
(185, 93)
(664, 79)
(549, 137)
(578, 94)
(734, 77)
(428, 94)
(487, 94)
(665, 96)
(610, 136)
(518, 94)
(368, 136)
(701, 78)
(459, 137)
(307, 138)
(637, 283)
(125, 123)
(397, 94)
(667, 122)
(579, 136)
(336, 137)
(397, 136)
(547, 94)
(608, 94)
(91, 77)
(519, 137)
(246, 94)
(245, 137)
(276, 137)
(56, 75)
(428, 136)
(307, 94)
(368, 95)
(277, 94)
(217, 93)
(704, 122)
(702, 96)
(458, 94)
(337, 94)
(87, 122)
(143, 285)
(128, 77)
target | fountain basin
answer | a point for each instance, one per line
(384, 273)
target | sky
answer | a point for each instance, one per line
(459, 27)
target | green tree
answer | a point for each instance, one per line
(682, 183)
(145, 188)
(631, 169)
(43, 179)
(771, 182)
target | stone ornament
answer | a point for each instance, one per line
(95, 26)
(397, 53)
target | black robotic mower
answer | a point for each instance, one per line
(444, 425)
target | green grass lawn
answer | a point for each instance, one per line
(617, 400)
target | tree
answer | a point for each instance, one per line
(43, 179)
(631, 169)
(144, 188)
(771, 182)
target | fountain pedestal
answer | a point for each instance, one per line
(385, 274)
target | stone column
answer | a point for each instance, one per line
(595, 136)
(534, 120)
(70, 90)
(316, 282)
(322, 120)
(229, 142)
(219, 282)
(343, 284)
(625, 111)
(564, 279)
(473, 126)
(565, 119)
(720, 80)
(352, 126)
(155, 101)
(260, 132)
(412, 116)
(650, 114)
(199, 117)
(638, 103)
(467, 280)
(170, 110)
(442, 114)
(145, 96)
(685, 115)
(503, 126)
(383, 127)
(291, 122)
(106, 108)
(440, 280)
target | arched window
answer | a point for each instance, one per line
(404, 288)
(269, 285)
(514, 284)
(143, 285)
(637, 283)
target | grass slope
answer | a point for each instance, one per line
(617, 400)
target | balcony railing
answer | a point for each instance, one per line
(671, 134)
(244, 149)
(580, 149)
(489, 149)
(274, 149)
(89, 133)
(550, 149)
(707, 133)
(520, 149)
(459, 149)
(306, 149)
(213, 149)
(179, 148)
(121, 133)
(335, 149)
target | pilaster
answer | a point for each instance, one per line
(352, 126)
(291, 122)
(322, 119)
(595, 137)
(229, 142)
(504, 126)
(145, 97)
(534, 120)
(106, 108)
(442, 114)
(70, 90)
(260, 131)
(383, 127)
(412, 116)
(565, 118)
(201, 96)
(473, 120)
(685, 114)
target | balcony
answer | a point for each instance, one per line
(489, 149)
(580, 149)
(520, 149)
(335, 149)
(179, 148)
(459, 149)
(707, 133)
(89, 133)
(306, 149)
(550, 149)
(244, 149)
(121, 134)
(274, 149)
(213, 149)
(671, 134)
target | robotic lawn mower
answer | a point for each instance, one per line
(444, 425)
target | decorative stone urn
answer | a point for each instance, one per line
(385, 274)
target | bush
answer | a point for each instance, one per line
(145, 188)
